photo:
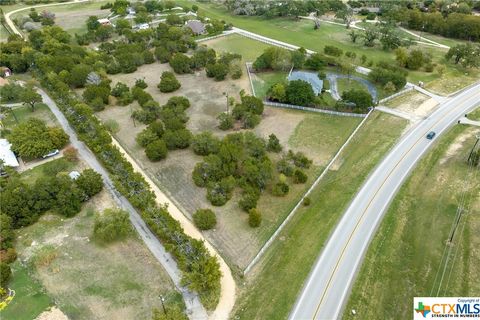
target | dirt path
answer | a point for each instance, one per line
(228, 286)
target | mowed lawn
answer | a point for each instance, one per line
(301, 33)
(30, 297)
(272, 287)
(406, 253)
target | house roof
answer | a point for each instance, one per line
(74, 175)
(196, 26)
(103, 21)
(6, 154)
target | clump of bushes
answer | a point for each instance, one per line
(168, 82)
(204, 219)
(112, 225)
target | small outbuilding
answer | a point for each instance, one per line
(196, 26)
(74, 175)
(104, 22)
(6, 154)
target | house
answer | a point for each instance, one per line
(369, 9)
(104, 22)
(196, 26)
(5, 72)
(6, 154)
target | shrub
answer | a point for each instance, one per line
(156, 150)
(112, 125)
(204, 219)
(218, 193)
(111, 225)
(299, 176)
(226, 121)
(5, 274)
(249, 200)
(205, 143)
(254, 218)
(280, 189)
(90, 182)
(333, 51)
(140, 83)
(145, 137)
(70, 154)
(52, 168)
(218, 71)
(119, 89)
(299, 92)
(306, 201)
(273, 144)
(168, 82)
(180, 63)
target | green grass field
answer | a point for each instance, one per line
(23, 113)
(349, 84)
(30, 298)
(262, 81)
(406, 253)
(301, 33)
(291, 256)
(248, 48)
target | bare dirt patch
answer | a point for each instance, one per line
(52, 314)
(319, 136)
(413, 102)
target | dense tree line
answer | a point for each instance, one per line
(270, 8)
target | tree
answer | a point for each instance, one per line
(299, 92)
(277, 92)
(218, 71)
(346, 14)
(280, 189)
(254, 218)
(299, 176)
(226, 121)
(205, 143)
(249, 200)
(168, 82)
(401, 55)
(171, 313)
(112, 225)
(361, 98)
(389, 88)
(353, 35)
(30, 96)
(70, 154)
(119, 89)
(145, 137)
(78, 75)
(466, 54)
(6, 232)
(273, 144)
(180, 63)
(5, 274)
(90, 182)
(68, 199)
(389, 38)
(156, 150)
(370, 35)
(252, 104)
(204, 219)
(33, 139)
(92, 23)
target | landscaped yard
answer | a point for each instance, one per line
(291, 256)
(319, 136)
(263, 81)
(410, 250)
(22, 113)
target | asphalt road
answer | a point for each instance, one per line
(194, 307)
(326, 290)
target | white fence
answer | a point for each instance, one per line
(336, 113)
(223, 34)
(399, 93)
(300, 202)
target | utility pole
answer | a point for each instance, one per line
(162, 299)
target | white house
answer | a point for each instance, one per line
(104, 22)
(7, 155)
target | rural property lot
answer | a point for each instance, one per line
(413, 102)
(86, 280)
(279, 276)
(409, 251)
(318, 135)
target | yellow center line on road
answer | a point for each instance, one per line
(368, 206)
